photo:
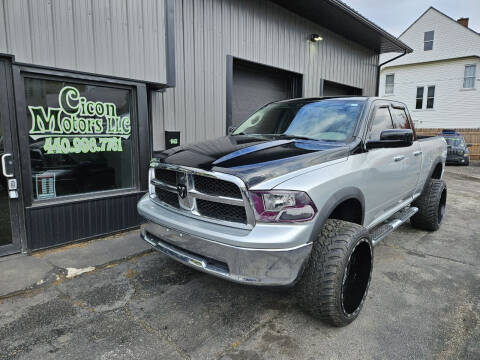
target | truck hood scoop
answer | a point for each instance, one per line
(245, 156)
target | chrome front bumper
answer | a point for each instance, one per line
(239, 264)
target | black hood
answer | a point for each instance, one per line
(253, 158)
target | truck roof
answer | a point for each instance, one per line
(352, 97)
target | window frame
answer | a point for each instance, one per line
(139, 127)
(430, 97)
(430, 42)
(474, 76)
(392, 85)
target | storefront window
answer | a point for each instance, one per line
(80, 137)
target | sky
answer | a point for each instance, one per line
(395, 16)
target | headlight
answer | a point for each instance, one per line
(461, 152)
(151, 175)
(282, 206)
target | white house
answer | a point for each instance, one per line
(440, 80)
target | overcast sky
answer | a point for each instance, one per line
(396, 15)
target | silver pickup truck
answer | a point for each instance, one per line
(298, 195)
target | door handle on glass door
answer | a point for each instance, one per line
(417, 153)
(4, 165)
(399, 158)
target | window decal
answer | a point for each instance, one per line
(81, 136)
(79, 125)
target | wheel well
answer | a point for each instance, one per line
(350, 210)
(437, 173)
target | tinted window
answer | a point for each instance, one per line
(381, 121)
(330, 120)
(400, 119)
(80, 137)
(457, 142)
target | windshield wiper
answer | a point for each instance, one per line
(295, 137)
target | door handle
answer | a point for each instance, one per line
(417, 153)
(399, 158)
(4, 165)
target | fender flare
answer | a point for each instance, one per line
(335, 200)
(435, 163)
(438, 160)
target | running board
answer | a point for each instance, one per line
(388, 226)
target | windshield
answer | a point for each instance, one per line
(452, 141)
(328, 120)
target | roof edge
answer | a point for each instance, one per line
(350, 11)
(441, 13)
(432, 61)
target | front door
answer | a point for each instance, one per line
(10, 205)
(412, 159)
(384, 178)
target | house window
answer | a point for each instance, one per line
(428, 40)
(80, 137)
(430, 96)
(469, 77)
(419, 102)
(389, 81)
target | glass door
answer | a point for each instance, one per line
(11, 207)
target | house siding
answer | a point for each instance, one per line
(206, 31)
(454, 47)
(454, 107)
(451, 40)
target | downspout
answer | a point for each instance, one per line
(380, 65)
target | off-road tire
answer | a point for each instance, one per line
(321, 288)
(431, 206)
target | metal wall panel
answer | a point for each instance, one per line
(206, 31)
(62, 223)
(107, 37)
(3, 28)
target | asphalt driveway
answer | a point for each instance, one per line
(424, 302)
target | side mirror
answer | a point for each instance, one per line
(469, 145)
(231, 129)
(392, 138)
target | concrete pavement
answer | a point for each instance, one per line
(424, 302)
(19, 273)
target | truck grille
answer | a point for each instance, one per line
(452, 151)
(167, 197)
(167, 176)
(216, 187)
(210, 196)
(222, 211)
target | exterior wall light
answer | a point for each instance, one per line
(315, 38)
